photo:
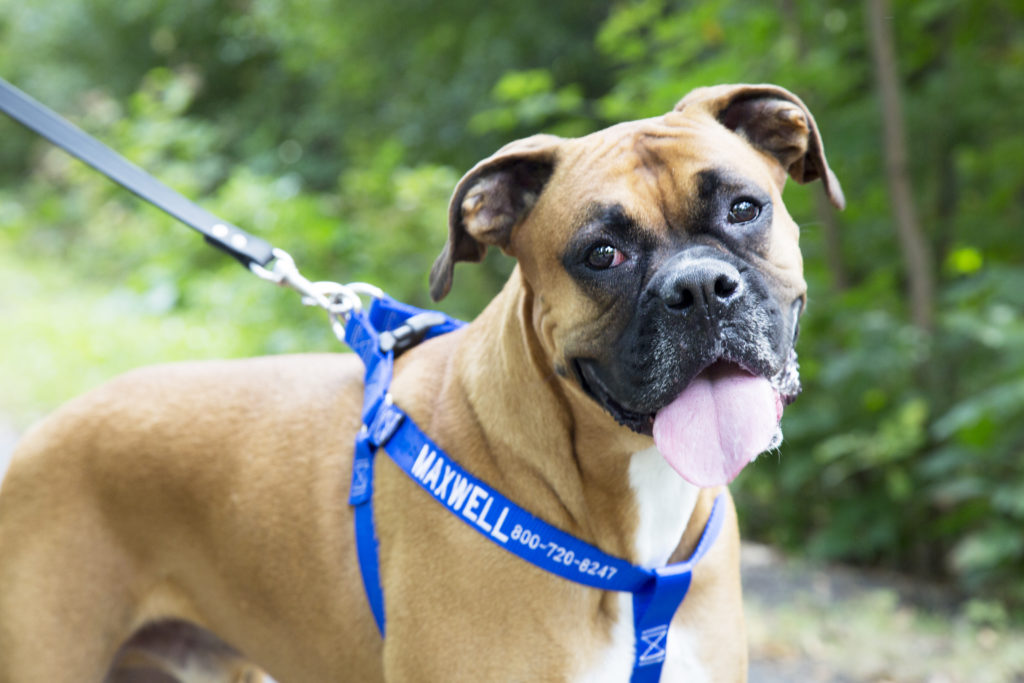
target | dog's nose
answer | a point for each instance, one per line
(702, 285)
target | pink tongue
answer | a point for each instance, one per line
(722, 421)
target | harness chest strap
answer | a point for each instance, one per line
(657, 593)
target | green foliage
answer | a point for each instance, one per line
(337, 130)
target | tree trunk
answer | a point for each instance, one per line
(915, 248)
(831, 233)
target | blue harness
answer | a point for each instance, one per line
(390, 327)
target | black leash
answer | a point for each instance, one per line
(221, 234)
(340, 301)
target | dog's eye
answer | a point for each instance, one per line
(603, 256)
(743, 211)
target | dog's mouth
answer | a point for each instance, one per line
(786, 383)
(590, 380)
(715, 423)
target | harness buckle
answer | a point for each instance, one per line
(385, 423)
(411, 332)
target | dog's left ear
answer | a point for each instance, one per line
(492, 199)
(775, 121)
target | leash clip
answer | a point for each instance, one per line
(340, 301)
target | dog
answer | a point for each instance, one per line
(638, 357)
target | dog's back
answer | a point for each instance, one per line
(118, 499)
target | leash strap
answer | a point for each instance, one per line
(45, 122)
(657, 593)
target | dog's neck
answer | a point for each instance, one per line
(568, 458)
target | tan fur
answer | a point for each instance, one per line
(216, 493)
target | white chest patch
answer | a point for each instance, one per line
(664, 503)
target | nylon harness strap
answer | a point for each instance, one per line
(657, 593)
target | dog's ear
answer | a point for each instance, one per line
(775, 121)
(491, 200)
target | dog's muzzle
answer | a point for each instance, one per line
(698, 311)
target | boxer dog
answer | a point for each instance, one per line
(639, 356)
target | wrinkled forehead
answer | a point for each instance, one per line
(656, 168)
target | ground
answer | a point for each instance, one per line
(830, 624)
(827, 623)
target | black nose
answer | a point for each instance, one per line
(702, 285)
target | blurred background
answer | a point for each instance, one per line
(336, 129)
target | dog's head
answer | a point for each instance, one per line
(665, 272)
